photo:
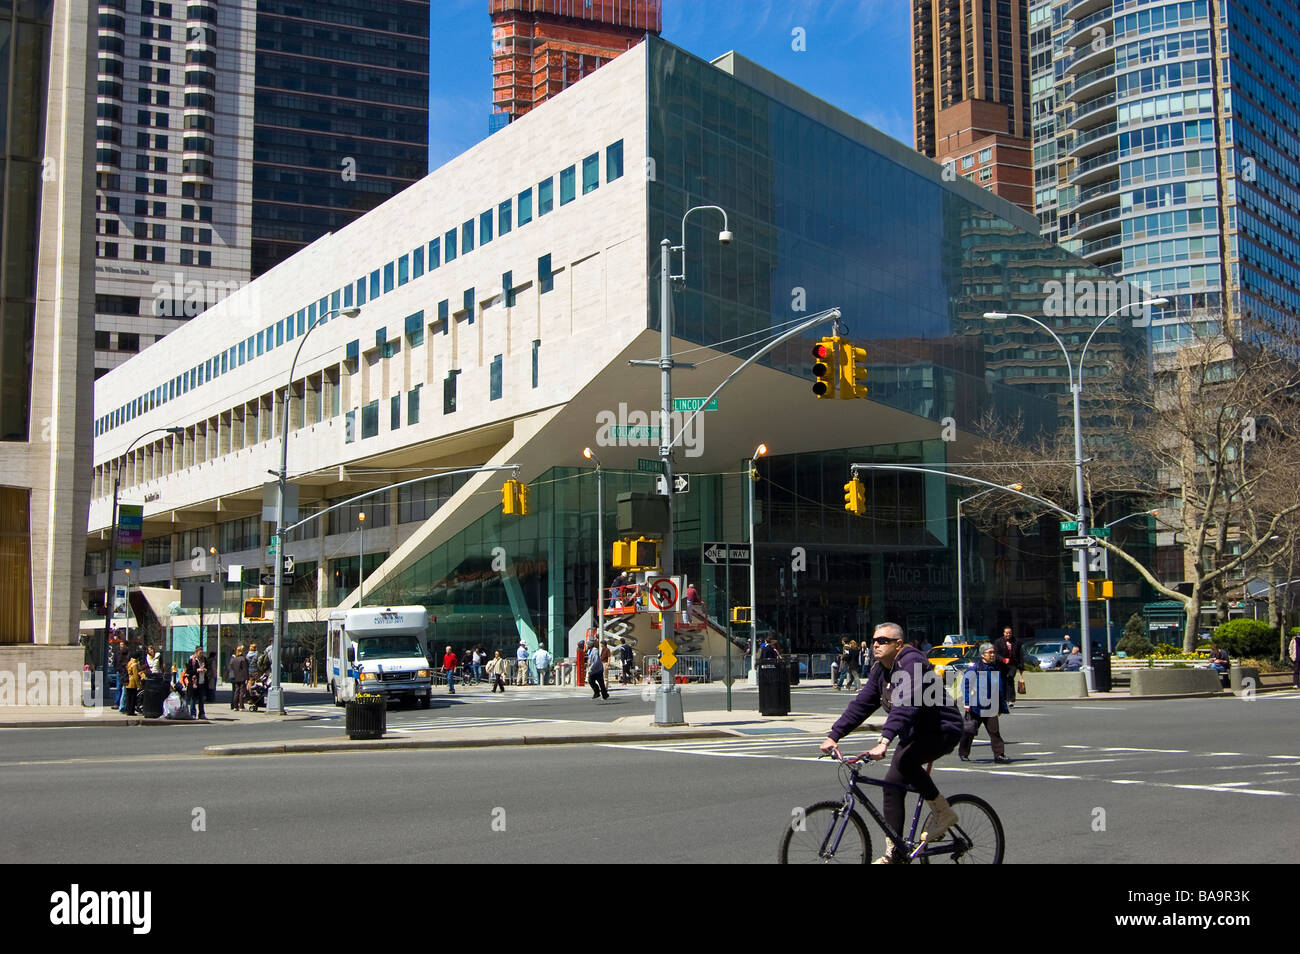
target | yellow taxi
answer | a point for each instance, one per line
(941, 657)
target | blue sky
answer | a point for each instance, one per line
(857, 57)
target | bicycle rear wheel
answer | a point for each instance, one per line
(977, 834)
(814, 828)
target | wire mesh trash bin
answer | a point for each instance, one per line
(367, 717)
(793, 662)
(773, 688)
(152, 695)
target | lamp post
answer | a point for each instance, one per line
(112, 549)
(274, 695)
(668, 701)
(961, 597)
(590, 454)
(1076, 387)
(752, 472)
(361, 556)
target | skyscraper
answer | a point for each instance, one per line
(232, 134)
(970, 91)
(46, 245)
(540, 47)
(1166, 137)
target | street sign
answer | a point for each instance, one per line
(1079, 543)
(209, 594)
(663, 594)
(288, 565)
(268, 579)
(667, 650)
(1100, 531)
(271, 496)
(1070, 525)
(667, 646)
(681, 484)
(694, 404)
(718, 553)
(648, 466)
(635, 432)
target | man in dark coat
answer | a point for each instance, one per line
(238, 673)
(1011, 663)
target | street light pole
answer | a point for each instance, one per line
(590, 454)
(361, 556)
(751, 472)
(275, 695)
(1076, 388)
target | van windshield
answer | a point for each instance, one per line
(381, 647)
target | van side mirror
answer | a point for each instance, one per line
(352, 654)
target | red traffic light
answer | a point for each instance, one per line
(821, 352)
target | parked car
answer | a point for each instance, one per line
(1049, 654)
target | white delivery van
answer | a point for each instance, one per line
(379, 649)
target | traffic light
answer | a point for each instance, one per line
(824, 356)
(514, 497)
(855, 497)
(255, 608)
(853, 371)
(622, 555)
(1097, 590)
(644, 553)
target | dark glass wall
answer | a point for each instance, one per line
(24, 55)
(340, 120)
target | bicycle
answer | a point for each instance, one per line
(833, 832)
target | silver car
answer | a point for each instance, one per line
(1050, 655)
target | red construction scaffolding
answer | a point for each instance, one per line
(540, 47)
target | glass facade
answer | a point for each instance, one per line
(340, 118)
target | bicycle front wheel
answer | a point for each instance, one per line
(810, 838)
(976, 839)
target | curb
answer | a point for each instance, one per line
(347, 745)
(119, 723)
(1108, 697)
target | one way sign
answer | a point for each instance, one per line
(716, 553)
(681, 483)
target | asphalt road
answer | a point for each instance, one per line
(1181, 781)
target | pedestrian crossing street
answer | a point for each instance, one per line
(467, 722)
(1235, 773)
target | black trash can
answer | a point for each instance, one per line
(1101, 676)
(794, 669)
(366, 717)
(152, 695)
(773, 688)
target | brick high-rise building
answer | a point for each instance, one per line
(970, 86)
(540, 47)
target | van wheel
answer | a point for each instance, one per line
(334, 691)
(425, 701)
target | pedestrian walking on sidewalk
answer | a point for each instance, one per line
(134, 681)
(1011, 663)
(237, 673)
(196, 672)
(983, 702)
(449, 663)
(596, 672)
(1295, 661)
(496, 669)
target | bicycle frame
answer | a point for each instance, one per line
(852, 794)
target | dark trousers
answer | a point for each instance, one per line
(971, 727)
(238, 695)
(498, 682)
(597, 682)
(908, 768)
(1295, 671)
(197, 695)
(130, 700)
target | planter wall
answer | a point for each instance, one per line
(1167, 682)
(1055, 685)
(1238, 675)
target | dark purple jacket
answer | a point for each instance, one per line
(912, 694)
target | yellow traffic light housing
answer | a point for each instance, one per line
(521, 498)
(1097, 590)
(622, 555)
(644, 553)
(855, 497)
(508, 497)
(514, 497)
(255, 608)
(853, 371)
(825, 354)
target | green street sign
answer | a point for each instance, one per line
(635, 432)
(1071, 525)
(649, 466)
(694, 404)
(1100, 531)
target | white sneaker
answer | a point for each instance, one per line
(888, 857)
(941, 820)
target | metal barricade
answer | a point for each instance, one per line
(686, 669)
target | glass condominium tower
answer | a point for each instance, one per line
(1167, 150)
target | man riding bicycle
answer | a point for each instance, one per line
(921, 717)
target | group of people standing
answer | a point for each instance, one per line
(243, 670)
(131, 666)
(498, 668)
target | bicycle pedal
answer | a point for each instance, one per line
(919, 848)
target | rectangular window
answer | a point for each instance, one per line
(449, 246)
(395, 412)
(241, 357)
(334, 301)
(485, 227)
(289, 325)
(545, 196)
(259, 343)
(435, 253)
(347, 295)
(494, 379)
(350, 427)
(467, 237)
(469, 304)
(388, 278)
(614, 161)
(525, 207)
(370, 420)
(503, 218)
(413, 405)
(417, 262)
(568, 185)
(507, 288)
(591, 173)
(449, 392)
(545, 280)
(403, 271)
(279, 333)
(415, 328)
(361, 291)
(374, 284)
(444, 314)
